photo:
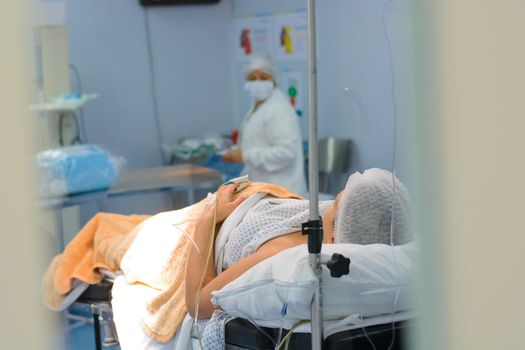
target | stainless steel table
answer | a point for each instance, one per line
(179, 178)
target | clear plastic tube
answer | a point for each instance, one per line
(368, 338)
(191, 240)
(394, 155)
(288, 335)
(252, 321)
(279, 337)
(208, 257)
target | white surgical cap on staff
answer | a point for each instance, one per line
(260, 61)
(364, 213)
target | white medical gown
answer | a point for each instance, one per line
(272, 146)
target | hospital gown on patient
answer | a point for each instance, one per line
(269, 218)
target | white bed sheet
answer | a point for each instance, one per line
(127, 303)
(128, 310)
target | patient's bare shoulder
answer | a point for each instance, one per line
(278, 244)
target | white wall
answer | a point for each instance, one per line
(355, 97)
(190, 46)
(472, 139)
(25, 322)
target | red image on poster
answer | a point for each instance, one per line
(246, 42)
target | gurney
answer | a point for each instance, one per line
(376, 294)
(366, 317)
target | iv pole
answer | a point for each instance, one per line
(314, 227)
(338, 264)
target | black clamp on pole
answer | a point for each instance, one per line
(338, 265)
(314, 230)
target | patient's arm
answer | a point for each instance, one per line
(205, 306)
(204, 230)
(213, 282)
(266, 251)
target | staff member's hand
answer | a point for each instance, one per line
(234, 156)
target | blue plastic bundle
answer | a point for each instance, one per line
(228, 170)
(76, 169)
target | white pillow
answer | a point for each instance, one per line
(379, 283)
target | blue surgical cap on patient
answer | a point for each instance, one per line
(364, 214)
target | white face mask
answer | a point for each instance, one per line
(260, 90)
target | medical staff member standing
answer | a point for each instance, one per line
(270, 138)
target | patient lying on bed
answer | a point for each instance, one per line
(361, 214)
(163, 258)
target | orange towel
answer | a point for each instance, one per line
(151, 252)
(101, 243)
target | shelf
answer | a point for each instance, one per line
(69, 103)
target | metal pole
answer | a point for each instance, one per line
(314, 236)
(316, 309)
(313, 158)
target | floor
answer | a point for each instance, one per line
(81, 338)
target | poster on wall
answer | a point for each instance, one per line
(291, 83)
(290, 36)
(283, 35)
(252, 34)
